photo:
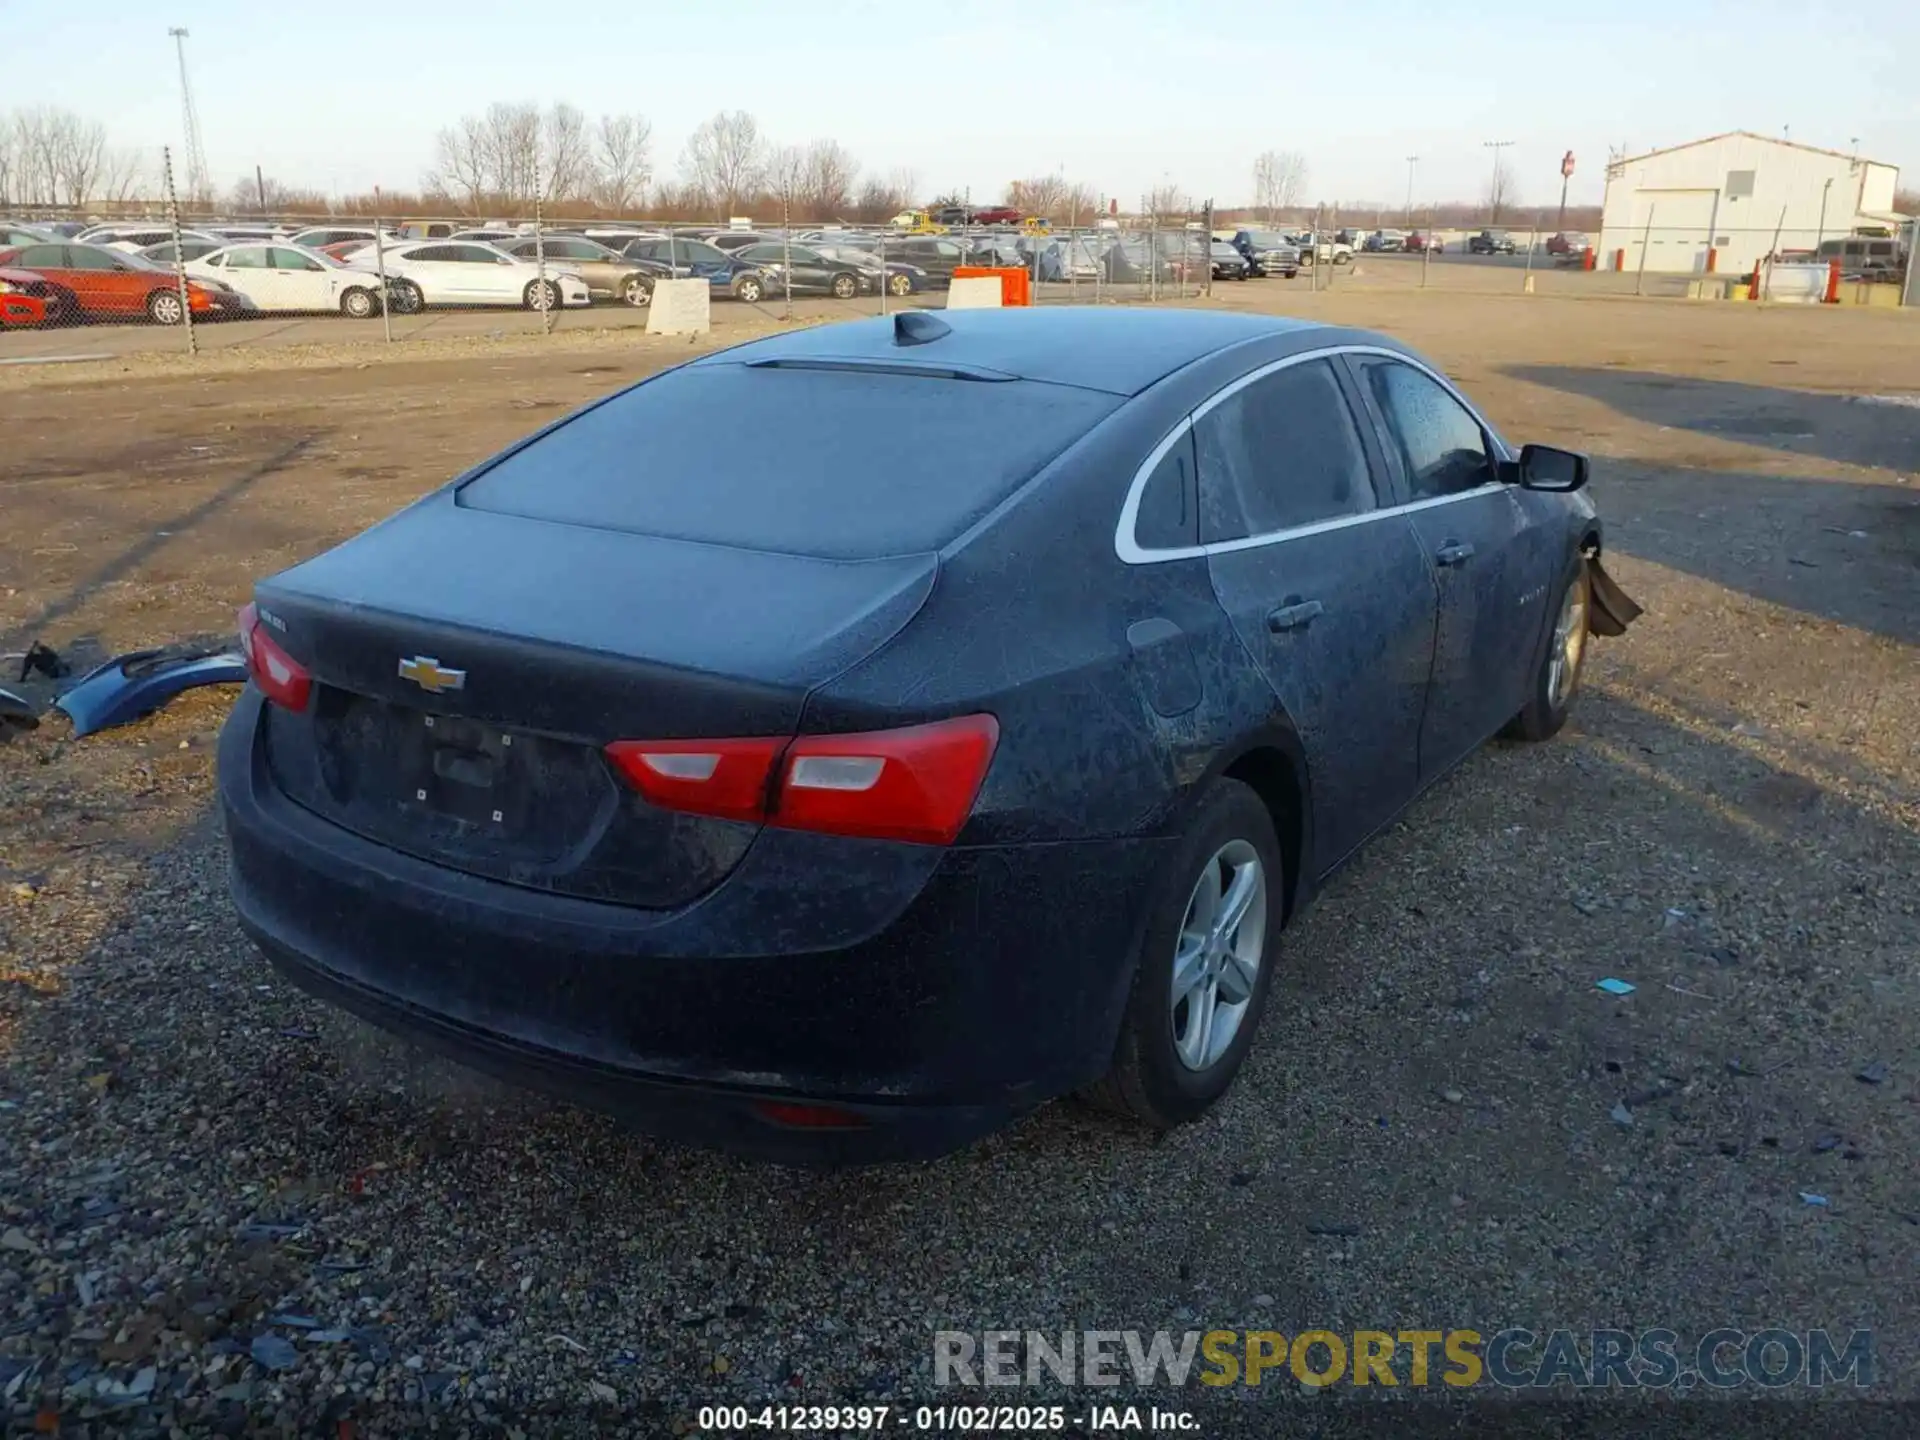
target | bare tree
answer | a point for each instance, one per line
(258, 194)
(883, 196)
(1279, 180)
(723, 159)
(75, 148)
(1079, 204)
(623, 154)
(125, 173)
(783, 170)
(1500, 192)
(1042, 195)
(1168, 200)
(827, 173)
(566, 155)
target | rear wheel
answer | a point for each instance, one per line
(1205, 966)
(357, 304)
(844, 287)
(750, 289)
(164, 307)
(636, 291)
(541, 295)
(1558, 678)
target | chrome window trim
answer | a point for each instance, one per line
(1126, 544)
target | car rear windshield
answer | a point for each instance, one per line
(836, 463)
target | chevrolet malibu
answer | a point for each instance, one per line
(959, 734)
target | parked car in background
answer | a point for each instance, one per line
(13, 236)
(189, 250)
(1568, 244)
(1070, 258)
(131, 239)
(1228, 263)
(1864, 257)
(734, 241)
(236, 233)
(1386, 242)
(592, 725)
(94, 282)
(609, 275)
(1422, 242)
(285, 278)
(448, 272)
(811, 272)
(27, 298)
(1492, 242)
(1271, 251)
(427, 229)
(937, 255)
(998, 215)
(490, 235)
(318, 236)
(679, 258)
(1324, 250)
(901, 278)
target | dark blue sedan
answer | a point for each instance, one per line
(959, 733)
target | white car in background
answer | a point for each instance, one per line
(129, 239)
(286, 278)
(467, 272)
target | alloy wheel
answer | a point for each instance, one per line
(1217, 957)
(1569, 644)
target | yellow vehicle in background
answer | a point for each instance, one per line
(1036, 225)
(916, 222)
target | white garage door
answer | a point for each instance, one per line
(1672, 224)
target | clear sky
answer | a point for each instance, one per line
(1124, 94)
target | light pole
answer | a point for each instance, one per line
(1495, 185)
(1412, 160)
(1823, 217)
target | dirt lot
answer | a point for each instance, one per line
(1426, 1136)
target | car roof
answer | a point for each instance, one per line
(1120, 350)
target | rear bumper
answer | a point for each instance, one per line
(935, 993)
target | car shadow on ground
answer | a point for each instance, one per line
(1423, 1136)
(1845, 428)
(1844, 550)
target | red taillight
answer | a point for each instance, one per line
(809, 1117)
(281, 678)
(726, 778)
(916, 784)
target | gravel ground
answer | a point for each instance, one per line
(223, 1207)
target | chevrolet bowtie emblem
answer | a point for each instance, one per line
(426, 672)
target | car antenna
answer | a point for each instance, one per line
(916, 327)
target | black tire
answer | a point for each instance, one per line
(844, 286)
(637, 291)
(1149, 1082)
(164, 307)
(1546, 711)
(407, 297)
(541, 295)
(1290, 274)
(357, 303)
(749, 289)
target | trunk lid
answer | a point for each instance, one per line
(468, 667)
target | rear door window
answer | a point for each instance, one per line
(837, 463)
(1280, 453)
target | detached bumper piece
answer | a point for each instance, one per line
(1613, 609)
(130, 686)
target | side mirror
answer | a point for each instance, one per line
(1546, 467)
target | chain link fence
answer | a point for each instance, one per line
(221, 280)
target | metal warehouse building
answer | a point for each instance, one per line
(1731, 196)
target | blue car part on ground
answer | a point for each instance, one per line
(140, 682)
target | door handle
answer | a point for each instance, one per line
(1296, 614)
(1454, 552)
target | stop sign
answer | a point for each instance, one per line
(1566, 164)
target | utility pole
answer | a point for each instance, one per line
(199, 186)
(260, 188)
(1412, 160)
(1494, 185)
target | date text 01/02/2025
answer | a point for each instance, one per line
(720, 1420)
